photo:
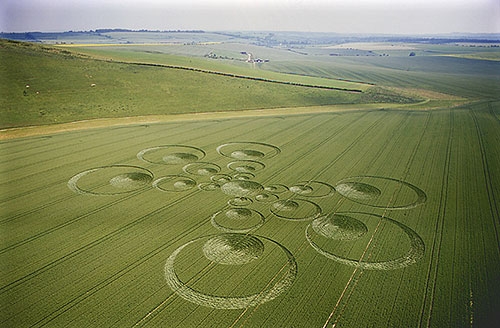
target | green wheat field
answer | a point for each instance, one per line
(288, 206)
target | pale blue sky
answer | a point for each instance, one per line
(342, 16)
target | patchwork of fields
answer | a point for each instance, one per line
(379, 218)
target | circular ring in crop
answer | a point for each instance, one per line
(248, 150)
(221, 178)
(266, 197)
(296, 209)
(244, 176)
(111, 180)
(355, 230)
(246, 166)
(242, 188)
(239, 248)
(315, 189)
(174, 183)
(171, 154)
(237, 220)
(202, 168)
(208, 186)
(381, 192)
(276, 188)
(240, 201)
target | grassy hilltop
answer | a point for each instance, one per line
(46, 85)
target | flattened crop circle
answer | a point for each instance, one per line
(242, 188)
(276, 188)
(202, 168)
(295, 210)
(248, 150)
(174, 183)
(284, 279)
(240, 201)
(266, 197)
(111, 180)
(246, 166)
(339, 227)
(171, 154)
(316, 189)
(381, 192)
(208, 186)
(237, 220)
(233, 249)
(414, 253)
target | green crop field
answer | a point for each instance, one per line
(337, 209)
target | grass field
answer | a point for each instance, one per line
(340, 213)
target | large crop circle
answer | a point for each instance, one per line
(111, 180)
(295, 209)
(233, 253)
(339, 227)
(238, 220)
(248, 150)
(233, 249)
(247, 166)
(202, 168)
(315, 189)
(242, 188)
(171, 154)
(381, 192)
(174, 183)
(349, 230)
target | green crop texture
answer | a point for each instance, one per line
(382, 213)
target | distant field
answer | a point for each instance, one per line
(174, 196)
(54, 86)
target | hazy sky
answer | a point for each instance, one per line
(343, 16)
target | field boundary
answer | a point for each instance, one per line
(246, 77)
(40, 130)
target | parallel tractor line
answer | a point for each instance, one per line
(487, 178)
(356, 276)
(428, 299)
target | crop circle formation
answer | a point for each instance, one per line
(231, 250)
(202, 168)
(339, 227)
(296, 209)
(111, 180)
(174, 183)
(381, 192)
(171, 154)
(240, 201)
(242, 188)
(237, 220)
(247, 166)
(349, 228)
(315, 189)
(248, 150)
